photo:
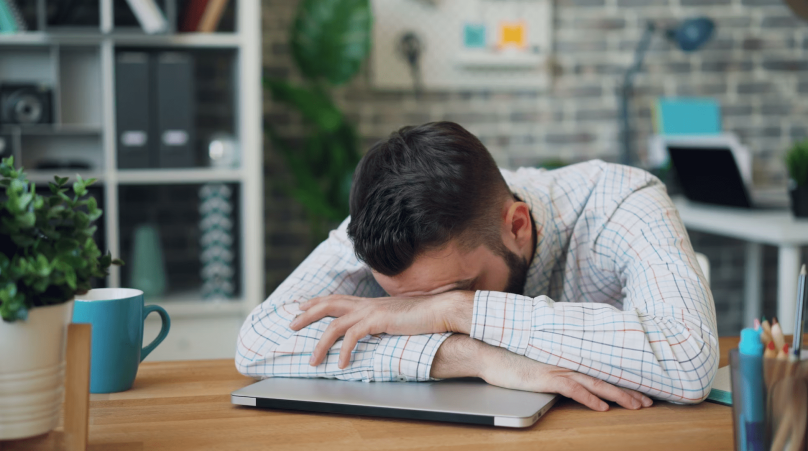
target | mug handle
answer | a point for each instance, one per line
(163, 330)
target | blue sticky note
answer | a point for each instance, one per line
(688, 116)
(474, 35)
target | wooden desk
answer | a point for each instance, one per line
(186, 406)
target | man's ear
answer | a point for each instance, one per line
(518, 226)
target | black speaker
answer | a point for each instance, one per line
(25, 104)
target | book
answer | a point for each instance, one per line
(8, 25)
(687, 116)
(721, 391)
(212, 16)
(149, 15)
(193, 15)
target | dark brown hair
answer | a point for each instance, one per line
(420, 188)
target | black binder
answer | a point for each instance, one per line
(174, 109)
(132, 111)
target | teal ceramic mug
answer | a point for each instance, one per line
(117, 316)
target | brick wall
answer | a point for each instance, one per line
(756, 66)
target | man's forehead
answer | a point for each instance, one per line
(434, 270)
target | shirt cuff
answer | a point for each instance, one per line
(503, 320)
(406, 358)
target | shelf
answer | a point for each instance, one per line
(492, 60)
(152, 176)
(52, 129)
(204, 40)
(43, 176)
(200, 40)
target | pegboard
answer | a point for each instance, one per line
(465, 44)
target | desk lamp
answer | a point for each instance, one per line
(689, 36)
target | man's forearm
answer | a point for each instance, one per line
(458, 311)
(458, 356)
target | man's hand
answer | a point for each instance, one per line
(462, 356)
(358, 317)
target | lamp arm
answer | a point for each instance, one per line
(627, 154)
(639, 54)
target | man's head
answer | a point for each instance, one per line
(430, 212)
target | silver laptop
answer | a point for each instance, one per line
(457, 400)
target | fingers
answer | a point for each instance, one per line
(335, 330)
(318, 308)
(352, 337)
(305, 305)
(644, 400)
(577, 392)
(609, 392)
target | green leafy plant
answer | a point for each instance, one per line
(797, 163)
(47, 251)
(330, 40)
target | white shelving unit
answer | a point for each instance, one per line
(200, 329)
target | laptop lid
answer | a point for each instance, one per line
(709, 175)
(457, 400)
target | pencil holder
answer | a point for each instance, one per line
(769, 403)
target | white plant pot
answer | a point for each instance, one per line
(32, 362)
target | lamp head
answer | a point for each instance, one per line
(691, 34)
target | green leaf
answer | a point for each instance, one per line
(331, 38)
(81, 220)
(312, 104)
(79, 188)
(797, 163)
(66, 245)
(70, 277)
(26, 220)
(39, 202)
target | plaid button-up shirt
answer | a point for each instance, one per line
(614, 291)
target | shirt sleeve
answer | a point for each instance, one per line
(267, 347)
(663, 342)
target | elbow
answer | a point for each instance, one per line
(245, 358)
(253, 351)
(697, 376)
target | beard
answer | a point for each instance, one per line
(518, 271)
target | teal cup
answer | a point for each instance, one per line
(117, 316)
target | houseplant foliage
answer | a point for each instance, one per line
(47, 251)
(330, 40)
(797, 165)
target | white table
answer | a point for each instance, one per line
(756, 227)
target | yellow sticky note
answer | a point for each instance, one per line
(513, 34)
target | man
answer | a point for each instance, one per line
(579, 281)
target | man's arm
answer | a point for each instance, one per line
(463, 356)
(268, 347)
(663, 343)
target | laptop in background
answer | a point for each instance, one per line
(708, 171)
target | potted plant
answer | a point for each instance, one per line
(797, 165)
(47, 256)
(329, 41)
